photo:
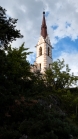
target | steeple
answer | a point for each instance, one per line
(43, 27)
(43, 49)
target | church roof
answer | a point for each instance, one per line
(43, 27)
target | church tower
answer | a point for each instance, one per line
(43, 49)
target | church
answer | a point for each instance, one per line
(43, 50)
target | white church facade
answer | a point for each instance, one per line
(43, 49)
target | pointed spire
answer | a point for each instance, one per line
(44, 27)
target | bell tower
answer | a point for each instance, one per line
(43, 49)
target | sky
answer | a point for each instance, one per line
(62, 26)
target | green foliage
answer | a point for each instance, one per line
(8, 31)
(59, 76)
(19, 67)
(30, 106)
(46, 124)
(15, 73)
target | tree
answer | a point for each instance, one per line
(59, 76)
(29, 115)
(75, 102)
(14, 65)
(14, 76)
(17, 64)
(8, 31)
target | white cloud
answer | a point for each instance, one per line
(71, 60)
(29, 15)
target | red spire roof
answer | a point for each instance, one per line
(44, 27)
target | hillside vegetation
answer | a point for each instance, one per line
(33, 105)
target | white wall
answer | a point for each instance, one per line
(44, 59)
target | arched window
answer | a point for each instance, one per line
(48, 51)
(40, 51)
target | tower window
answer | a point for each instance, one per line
(48, 51)
(40, 51)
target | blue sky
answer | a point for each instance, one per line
(62, 25)
(65, 45)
